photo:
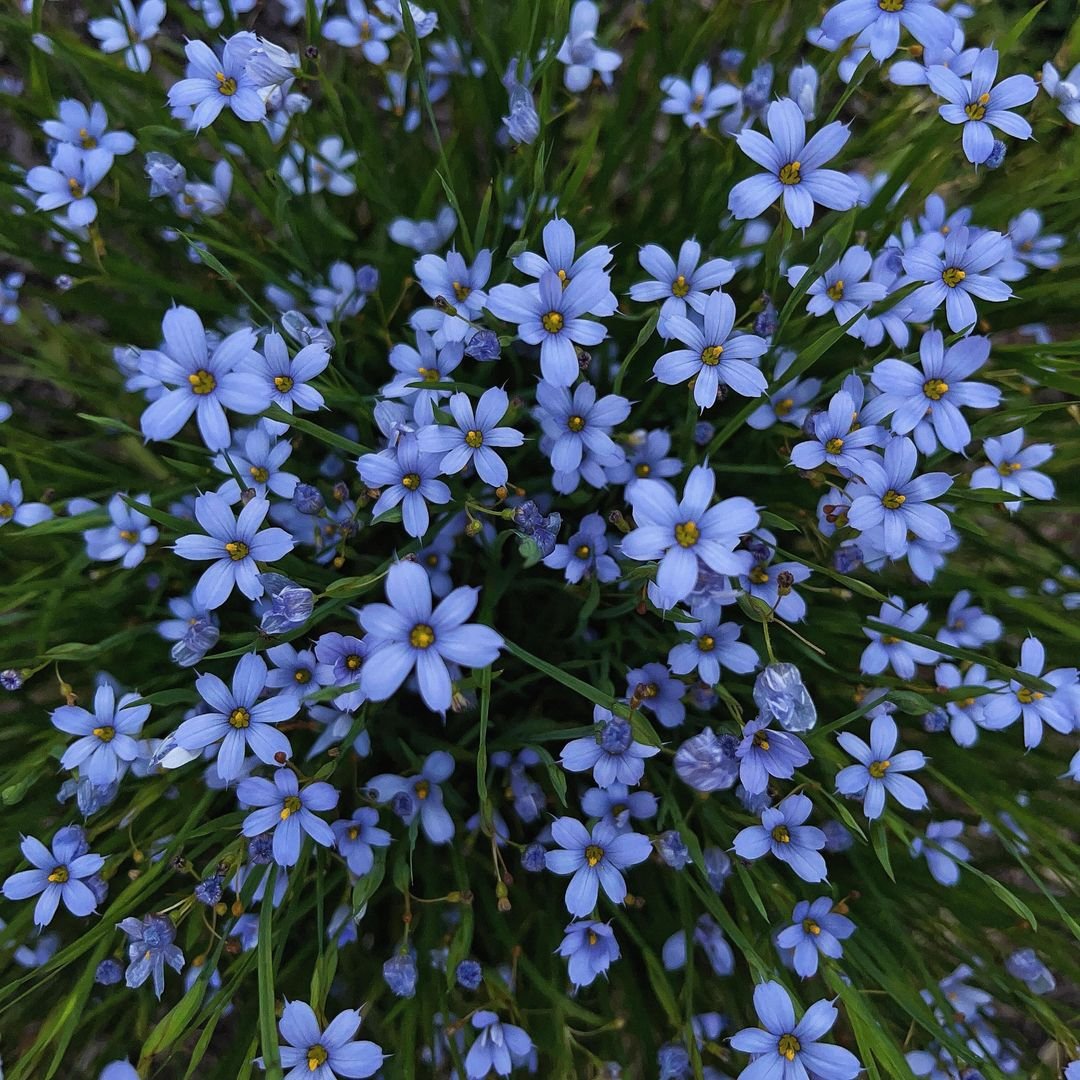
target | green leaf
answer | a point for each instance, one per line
(265, 963)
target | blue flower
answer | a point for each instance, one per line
(713, 357)
(523, 123)
(57, 875)
(499, 1046)
(12, 507)
(126, 538)
(580, 53)
(877, 23)
(783, 834)
(712, 647)
(965, 715)
(473, 437)
(288, 810)
(424, 236)
(688, 534)
(980, 105)
(344, 655)
(617, 804)
(816, 930)
(652, 687)
(1057, 710)
(238, 720)
(460, 285)
(550, 316)
(421, 795)
(1029, 249)
(899, 502)
(842, 289)
(710, 938)
(589, 948)
(68, 181)
(837, 440)
(284, 604)
(235, 545)
(612, 753)
(1011, 469)
(400, 972)
(886, 650)
(794, 168)
(782, 1049)
(585, 555)
(407, 633)
(788, 404)
(107, 742)
(942, 850)
(594, 859)
(85, 128)
(646, 458)
(286, 378)
(560, 246)
(150, 947)
(416, 367)
(955, 274)
(967, 625)
(358, 28)
(773, 584)
(879, 770)
(129, 30)
(202, 382)
(927, 400)
(763, 753)
(407, 476)
(697, 101)
(213, 84)
(297, 673)
(309, 1050)
(357, 836)
(257, 456)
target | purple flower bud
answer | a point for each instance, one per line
(109, 972)
(779, 693)
(469, 975)
(673, 849)
(532, 858)
(837, 837)
(616, 736)
(717, 867)
(367, 279)
(400, 974)
(10, 679)
(483, 345)
(997, 155)
(209, 891)
(260, 849)
(703, 433)
(707, 762)
(308, 499)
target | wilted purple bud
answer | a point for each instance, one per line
(299, 327)
(400, 974)
(469, 975)
(290, 604)
(802, 88)
(673, 849)
(758, 90)
(767, 320)
(673, 1061)
(261, 849)
(483, 345)
(753, 801)
(532, 858)
(935, 721)
(997, 154)
(200, 637)
(11, 680)
(703, 433)
(209, 891)
(167, 176)
(404, 805)
(731, 60)
(707, 762)
(779, 693)
(847, 558)
(308, 499)
(717, 867)
(1024, 964)
(523, 121)
(109, 972)
(367, 279)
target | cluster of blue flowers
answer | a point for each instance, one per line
(447, 458)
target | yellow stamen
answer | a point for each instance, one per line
(106, 733)
(226, 84)
(836, 290)
(239, 718)
(679, 287)
(421, 636)
(552, 322)
(202, 382)
(710, 355)
(576, 423)
(237, 550)
(791, 173)
(935, 389)
(687, 534)
(952, 276)
(893, 500)
(878, 768)
(474, 438)
(283, 383)
(292, 805)
(594, 854)
(411, 481)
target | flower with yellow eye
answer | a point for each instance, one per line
(878, 22)
(213, 84)
(595, 859)
(308, 1049)
(880, 770)
(421, 794)
(107, 736)
(288, 811)
(56, 875)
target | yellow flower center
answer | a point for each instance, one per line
(952, 276)
(421, 636)
(474, 438)
(226, 84)
(761, 740)
(687, 534)
(239, 718)
(788, 1046)
(782, 408)
(1026, 696)
(292, 805)
(891, 5)
(88, 141)
(759, 575)
(429, 374)
(781, 835)
(710, 355)
(679, 287)
(576, 423)
(706, 643)
(105, 733)
(202, 382)
(460, 291)
(411, 481)
(354, 833)
(1007, 468)
(811, 927)
(237, 550)
(283, 383)
(879, 768)
(128, 536)
(976, 110)
(836, 290)
(563, 277)
(353, 662)
(75, 188)
(834, 446)
(791, 173)
(6, 511)
(935, 389)
(59, 875)
(552, 322)
(643, 469)
(893, 500)
(422, 789)
(583, 551)
(594, 854)
(259, 474)
(302, 676)
(593, 937)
